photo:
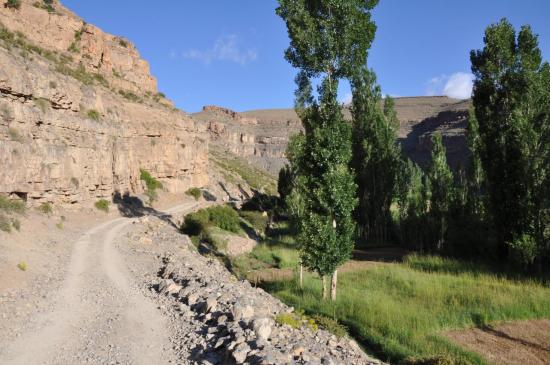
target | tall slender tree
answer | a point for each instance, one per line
(376, 155)
(512, 101)
(329, 39)
(441, 187)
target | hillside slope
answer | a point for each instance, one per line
(261, 136)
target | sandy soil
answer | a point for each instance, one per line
(519, 342)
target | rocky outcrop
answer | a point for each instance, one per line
(264, 142)
(61, 31)
(65, 136)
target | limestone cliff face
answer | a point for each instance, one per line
(67, 134)
(264, 141)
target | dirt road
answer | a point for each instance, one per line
(99, 316)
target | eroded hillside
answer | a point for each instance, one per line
(80, 114)
(261, 136)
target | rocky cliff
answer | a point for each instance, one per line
(261, 136)
(80, 114)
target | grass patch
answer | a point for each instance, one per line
(257, 178)
(194, 192)
(102, 205)
(296, 320)
(5, 224)
(11, 206)
(45, 208)
(42, 104)
(13, 4)
(22, 266)
(60, 225)
(93, 114)
(400, 311)
(128, 95)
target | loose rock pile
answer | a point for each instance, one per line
(234, 322)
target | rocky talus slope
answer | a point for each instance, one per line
(261, 136)
(221, 320)
(80, 114)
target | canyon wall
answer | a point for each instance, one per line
(261, 136)
(73, 130)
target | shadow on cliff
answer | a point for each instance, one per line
(133, 207)
(452, 124)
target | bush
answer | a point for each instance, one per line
(194, 192)
(13, 4)
(22, 266)
(45, 208)
(258, 220)
(16, 224)
(221, 216)
(296, 320)
(102, 205)
(5, 224)
(331, 325)
(93, 114)
(151, 184)
(11, 206)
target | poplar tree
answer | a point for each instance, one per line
(440, 180)
(376, 156)
(511, 100)
(329, 40)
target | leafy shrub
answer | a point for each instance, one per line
(22, 266)
(53, 84)
(13, 4)
(296, 320)
(128, 95)
(151, 184)
(60, 225)
(73, 48)
(331, 325)
(102, 205)
(45, 208)
(11, 206)
(123, 42)
(258, 220)
(194, 192)
(221, 216)
(93, 114)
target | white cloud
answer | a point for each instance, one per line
(458, 86)
(226, 48)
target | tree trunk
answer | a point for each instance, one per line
(333, 285)
(325, 291)
(301, 276)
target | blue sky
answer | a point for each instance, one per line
(230, 53)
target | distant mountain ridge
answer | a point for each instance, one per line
(261, 136)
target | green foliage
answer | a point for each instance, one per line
(221, 216)
(331, 325)
(440, 179)
(22, 266)
(81, 74)
(13, 4)
(128, 95)
(47, 5)
(151, 185)
(103, 205)
(296, 320)
(59, 225)
(45, 208)
(330, 36)
(11, 206)
(93, 114)
(123, 42)
(511, 105)
(194, 192)
(16, 223)
(53, 84)
(376, 156)
(402, 310)
(258, 220)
